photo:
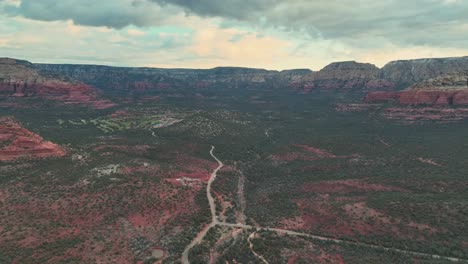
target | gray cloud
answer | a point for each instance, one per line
(416, 22)
(360, 23)
(115, 13)
(405, 22)
(238, 9)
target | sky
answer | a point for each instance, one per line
(271, 34)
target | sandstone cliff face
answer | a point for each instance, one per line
(396, 75)
(346, 75)
(16, 142)
(21, 79)
(445, 90)
(143, 79)
(405, 73)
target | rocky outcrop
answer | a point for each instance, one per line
(346, 75)
(16, 142)
(450, 89)
(397, 75)
(21, 79)
(349, 75)
(405, 73)
(112, 79)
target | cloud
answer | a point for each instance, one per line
(206, 33)
(114, 14)
(417, 22)
(368, 22)
(135, 32)
(62, 42)
(238, 9)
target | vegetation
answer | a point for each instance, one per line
(126, 179)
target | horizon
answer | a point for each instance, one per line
(230, 66)
(256, 34)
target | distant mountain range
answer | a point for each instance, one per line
(74, 83)
(394, 75)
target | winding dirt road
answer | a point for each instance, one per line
(215, 222)
(251, 246)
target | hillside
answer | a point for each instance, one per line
(446, 90)
(21, 79)
(350, 75)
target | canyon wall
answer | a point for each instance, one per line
(348, 75)
(445, 90)
(21, 79)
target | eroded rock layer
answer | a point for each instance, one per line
(16, 142)
(446, 90)
(21, 79)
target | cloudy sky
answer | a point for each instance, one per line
(273, 34)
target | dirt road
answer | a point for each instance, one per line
(215, 222)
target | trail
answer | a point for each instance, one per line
(214, 222)
(251, 246)
(339, 241)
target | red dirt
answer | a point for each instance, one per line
(103, 222)
(192, 168)
(119, 113)
(323, 217)
(319, 152)
(330, 213)
(22, 143)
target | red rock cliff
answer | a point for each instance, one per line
(21, 79)
(445, 90)
(17, 142)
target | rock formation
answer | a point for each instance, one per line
(22, 79)
(405, 73)
(17, 142)
(445, 90)
(396, 75)
(111, 79)
(347, 76)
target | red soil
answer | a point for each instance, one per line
(319, 152)
(21, 143)
(104, 223)
(323, 217)
(330, 213)
(192, 168)
(119, 113)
